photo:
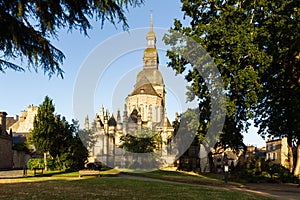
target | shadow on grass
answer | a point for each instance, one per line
(186, 177)
(111, 188)
(105, 173)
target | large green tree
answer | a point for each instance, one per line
(44, 127)
(143, 141)
(278, 111)
(71, 152)
(27, 27)
(255, 45)
(56, 136)
(144, 146)
(227, 33)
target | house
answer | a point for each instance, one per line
(227, 156)
(233, 157)
(20, 128)
(277, 151)
(22, 125)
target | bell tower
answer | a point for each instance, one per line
(148, 96)
(150, 54)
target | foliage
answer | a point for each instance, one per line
(75, 156)
(259, 170)
(87, 137)
(278, 111)
(44, 124)
(186, 129)
(40, 163)
(142, 145)
(55, 135)
(143, 141)
(21, 146)
(27, 27)
(228, 35)
(255, 45)
(35, 163)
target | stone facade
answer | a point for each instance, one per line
(6, 152)
(20, 159)
(144, 108)
(277, 151)
(19, 128)
(25, 122)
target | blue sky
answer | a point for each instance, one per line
(22, 89)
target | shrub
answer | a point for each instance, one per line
(35, 163)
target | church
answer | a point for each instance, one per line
(144, 108)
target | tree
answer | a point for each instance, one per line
(27, 27)
(278, 111)
(21, 146)
(54, 135)
(255, 45)
(73, 154)
(144, 141)
(227, 33)
(188, 130)
(43, 128)
(142, 146)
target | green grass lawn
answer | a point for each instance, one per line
(187, 177)
(69, 186)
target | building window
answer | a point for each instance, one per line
(274, 146)
(274, 156)
(270, 147)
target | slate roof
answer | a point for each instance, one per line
(10, 121)
(112, 121)
(145, 89)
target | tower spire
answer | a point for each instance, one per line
(150, 54)
(151, 23)
(151, 40)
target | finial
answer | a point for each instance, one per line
(151, 24)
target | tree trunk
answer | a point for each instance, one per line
(211, 162)
(290, 154)
(204, 163)
(45, 161)
(297, 166)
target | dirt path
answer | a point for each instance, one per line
(11, 174)
(274, 191)
(279, 191)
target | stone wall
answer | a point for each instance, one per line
(6, 152)
(20, 159)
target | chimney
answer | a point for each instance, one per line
(3, 121)
(16, 117)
